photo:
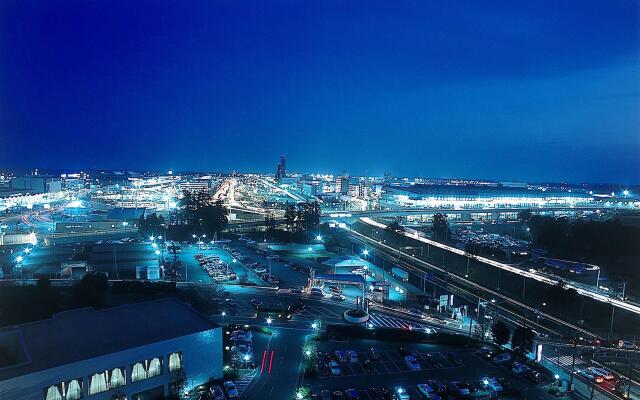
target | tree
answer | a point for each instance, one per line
(501, 333)
(525, 215)
(201, 214)
(310, 216)
(395, 227)
(441, 227)
(151, 224)
(522, 339)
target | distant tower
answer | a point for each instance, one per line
(281, 169)
(283, 165)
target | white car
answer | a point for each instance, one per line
(352, 356)
(427, 391)
(401, 393)
(492, 383)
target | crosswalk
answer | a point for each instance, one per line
(385, 321)
(567, 361)
(244, 382)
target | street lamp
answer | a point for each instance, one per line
(269, 320)
(157, 252)
(319, 238)
(154, 245)
(19, 259)
(365, 252)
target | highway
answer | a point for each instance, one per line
(531, 275)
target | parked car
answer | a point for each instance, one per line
(352, 394)
(335, 368)
(338, 395)
(316, 292)
(519, 369)
(502, 358)
(427, 391)
(492, 383)
(405, 351)
(216, 393)
(337, 296)
(231, 390)
(412, 363)
(352, 356)
(401, 393)
(341, 356)
(369, 366)
(459, 388)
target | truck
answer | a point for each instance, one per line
(400, 273)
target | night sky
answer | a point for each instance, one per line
(526, 90)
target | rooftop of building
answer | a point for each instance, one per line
(85, 333)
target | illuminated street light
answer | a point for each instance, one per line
(159, 237)
(125, 223)
(625, 192)
(246, 357)
(193, 236)
(314, 326)
(365, 252)
(154, 245)
(308, 353)
(310, 249)
(269, 320)
(152, 238)
(556, 376)
(319, 238)
(157, 252)
(224, 313)
(19, 259)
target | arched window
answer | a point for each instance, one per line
(117, 378)
(138, 372)
(175, 362)
(97, 383)
(53, 393)
(155, 368)
(74, 390)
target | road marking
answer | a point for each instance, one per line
(271, 360)
(264, 357)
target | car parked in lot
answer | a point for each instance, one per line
(352, 394)
(216, 393)
(341, 356)
(338, 395)
(335, 368)
(352, 356)
(492, 383)
(315, 291)
(502, 358)
(519, 369)
(412, 363)
(369, 366)
(231, 390)
(406, 352)
(427, 391)
(401, 393)
(459, 388)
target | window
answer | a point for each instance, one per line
(53, 393)
(175, 362)
(117, 378)
(155, 367)
(98, 383)
(138, 372)
(74, 389)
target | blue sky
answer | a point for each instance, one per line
(539, 91)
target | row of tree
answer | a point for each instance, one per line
(521, 338)
(302, 216)
(608, 242)
(198, 214)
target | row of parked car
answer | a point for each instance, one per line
(217, 269)
(507, 360)
(216, 392)
(433, 389)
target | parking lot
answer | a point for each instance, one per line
(437, 363)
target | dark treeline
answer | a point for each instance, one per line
(198, 214)
(609, 243)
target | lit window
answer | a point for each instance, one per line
(155, 368)
(175, 362)
(74, 389)
(138, 372)
(53, 393)
(98, 383)
(117, 378)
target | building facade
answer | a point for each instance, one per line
(140, 351)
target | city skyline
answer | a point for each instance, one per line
(547, 92)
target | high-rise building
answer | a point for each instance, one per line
(342, 183)
(281, 169)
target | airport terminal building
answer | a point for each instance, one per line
(135, 352)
